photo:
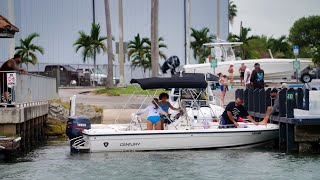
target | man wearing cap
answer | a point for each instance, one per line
(272, 110)
(233, 111)
(9, 66)
(257, 77)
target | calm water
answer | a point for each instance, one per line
(54, 161)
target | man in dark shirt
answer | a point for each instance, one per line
(9, 66)
(233, 111)
(257, 77)
(272, 110)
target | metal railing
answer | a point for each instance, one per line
(26, 88)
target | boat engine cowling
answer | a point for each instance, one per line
(75, 126)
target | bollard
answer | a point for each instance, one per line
(256, 101)
(282, 100)
(306, 99)
(250, 100)
(290, 102)
(267, 96)
(299, 98)
(245, 98)
(262, 101)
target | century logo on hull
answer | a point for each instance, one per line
(129, 144)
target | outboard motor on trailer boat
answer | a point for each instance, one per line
(171, 63)
(75, 126)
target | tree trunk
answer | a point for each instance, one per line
(109, 84)
(121, 53)
(154, 38)
(94, 68)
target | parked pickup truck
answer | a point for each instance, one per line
(68, 75)
(98, 78)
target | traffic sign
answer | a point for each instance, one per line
(296, 50)
(296, 65)
(214, 63)
(11, 79)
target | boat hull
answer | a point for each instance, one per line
(174, 140)
(273, 68)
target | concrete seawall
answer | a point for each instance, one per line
(25, 123)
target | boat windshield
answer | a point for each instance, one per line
(223, 53)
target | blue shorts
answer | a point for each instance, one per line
(224, 124)
(154, 119)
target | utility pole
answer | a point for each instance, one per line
(121, 53)
(93, 12)
(11, 19)
(187, 9)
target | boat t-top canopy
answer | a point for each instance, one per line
(185, 81)
(232, 44)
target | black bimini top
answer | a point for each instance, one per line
(186, 81)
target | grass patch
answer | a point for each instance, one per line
(117, 91)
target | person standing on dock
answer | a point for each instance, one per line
(233, 111)
(231, 76)
(257, 77)
(223, 82)
(272, 110)
(242, 70)
(247, 76)
(9, 66)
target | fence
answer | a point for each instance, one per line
(26, 88)
(129, 71)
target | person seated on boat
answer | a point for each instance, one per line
(234, 110)
(154, 112)
(165, 106)
(272, 110)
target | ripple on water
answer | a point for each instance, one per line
(55, 162)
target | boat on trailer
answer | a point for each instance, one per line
(196, 127)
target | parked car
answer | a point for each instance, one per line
(310, 73)
(68, 75)
(97, 78)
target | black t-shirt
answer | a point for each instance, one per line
(257, 78)
(237, 111)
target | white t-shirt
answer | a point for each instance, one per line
(246, 72)
(152, 111)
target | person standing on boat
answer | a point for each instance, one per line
(154, 112)
(223, 82)
(233, 111)
(165, 105)
(242, 69)
(257, 77)
(247, 76)
(231, 76)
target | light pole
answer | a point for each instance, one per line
(121, 53)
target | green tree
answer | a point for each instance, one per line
(315, 51)
(280, 47)
(201, 37)
(91, 44)
(28, 50)
(305, 34)
(232, 12)
(140, 52)
(244, 38)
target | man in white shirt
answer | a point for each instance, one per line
(247, 76)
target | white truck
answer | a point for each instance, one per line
(98, 78)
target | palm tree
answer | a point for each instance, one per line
(200, 37)
(279, 46)
(91, 45)
(27, 49)
(109, 84)
(232, 12)
(242, 38)
(140, 52)
(154, 37)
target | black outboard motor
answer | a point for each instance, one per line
(75, 126)
(172, 63)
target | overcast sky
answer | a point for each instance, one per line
(272, 17)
